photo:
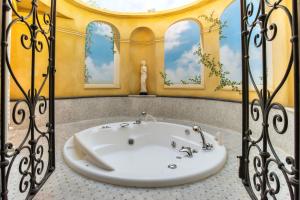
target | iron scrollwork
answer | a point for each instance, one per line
(34, 155)
(263, 181)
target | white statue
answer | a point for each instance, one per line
(143, 78)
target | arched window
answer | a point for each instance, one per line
(182, 67)
(230, 49)
(102, 50)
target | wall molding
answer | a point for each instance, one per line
(70, 31)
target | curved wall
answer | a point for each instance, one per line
(221, 114)
(72, 21)
(71, 34)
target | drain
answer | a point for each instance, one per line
(187, 132)
(172, 166)
(178, 157)
(131, 141)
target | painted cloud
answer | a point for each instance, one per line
(187, 66)
(100, 74)
(173, 35)
(230, 51)
(232, 62)
(181, 41)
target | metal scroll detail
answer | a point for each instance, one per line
(263, 181)
(33, 155)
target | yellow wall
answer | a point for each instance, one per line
(142, 37)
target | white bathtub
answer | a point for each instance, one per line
(141, 155)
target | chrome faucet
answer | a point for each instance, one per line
(187, 150)
(140, 118)
(205, 146)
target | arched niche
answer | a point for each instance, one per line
(142, 47)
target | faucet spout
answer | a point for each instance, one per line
(141, 117)
(187, 150)
(205, 145)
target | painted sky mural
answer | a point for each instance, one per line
(181, 41)
(230, 50)
(100, 52)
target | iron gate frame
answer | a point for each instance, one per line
(264, 102)
(32, 165)
(262, 106)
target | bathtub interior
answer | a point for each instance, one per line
(143, 155)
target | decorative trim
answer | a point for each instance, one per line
(102, 86)
(158, 96)
(186, 86)
(70, 31)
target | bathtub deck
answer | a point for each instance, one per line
(65, 184)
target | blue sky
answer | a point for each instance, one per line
(231, 45)
(99, 47)
(181, 41)
(100, 57)
(232, 32)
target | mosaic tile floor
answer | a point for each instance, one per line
(65, 184)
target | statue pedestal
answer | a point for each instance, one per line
(142, 96)
(143, 93)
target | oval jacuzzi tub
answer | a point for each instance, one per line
(150, 154)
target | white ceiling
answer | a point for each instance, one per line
(137, 5)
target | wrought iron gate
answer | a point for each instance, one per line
(263, 182)
(33, 156)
